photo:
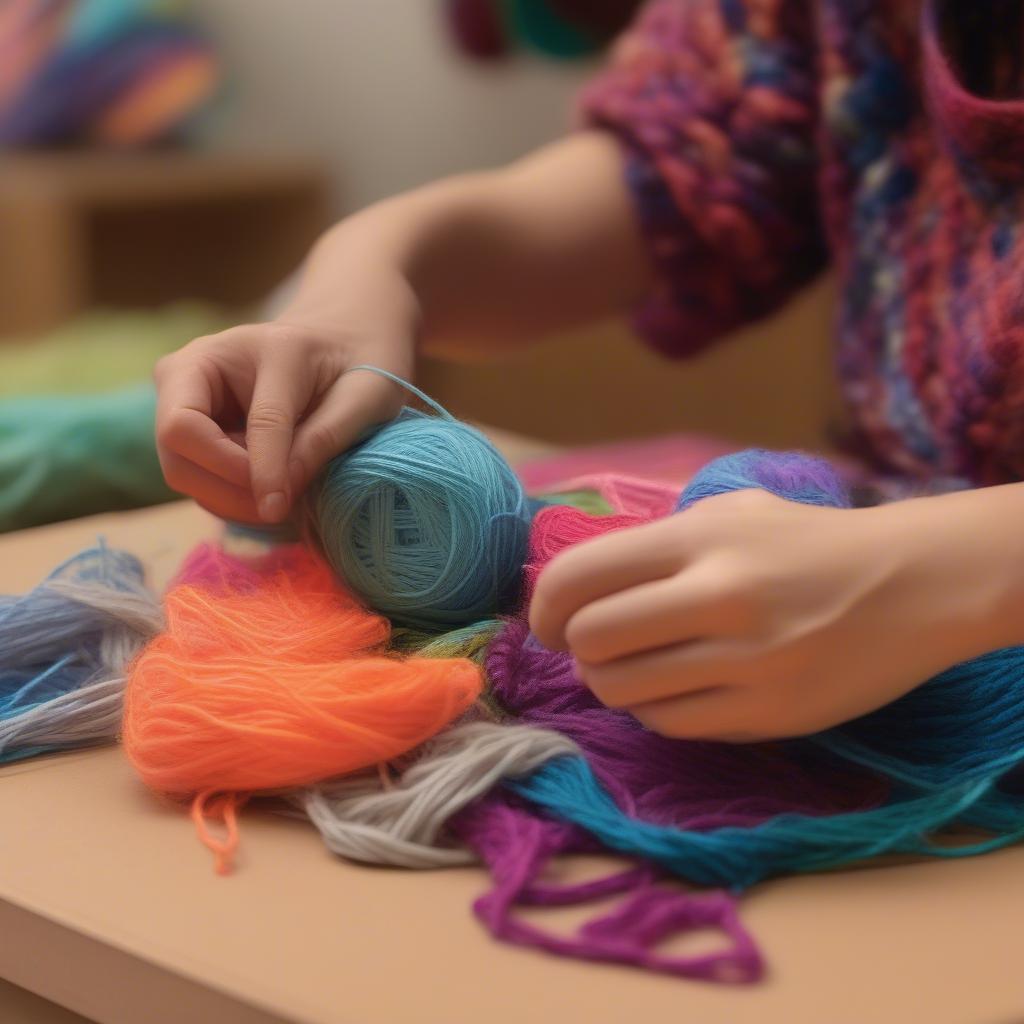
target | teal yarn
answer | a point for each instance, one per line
(950, 753)
(63, 456)
(739, 857)
(425, 521)
(63, 649)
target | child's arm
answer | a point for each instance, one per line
(471, 263)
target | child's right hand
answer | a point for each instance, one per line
(246, 418)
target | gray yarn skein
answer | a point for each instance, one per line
(404, 826)
(128, 615)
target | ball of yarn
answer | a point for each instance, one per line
(426, 522)
(790, 475)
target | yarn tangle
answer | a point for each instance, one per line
(65, 645)
(274, 687)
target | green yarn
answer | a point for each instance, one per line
(77, 410)
(66, 456)
(540, 27)
(101, 351)
(591, 502)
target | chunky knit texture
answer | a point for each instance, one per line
(764, 135)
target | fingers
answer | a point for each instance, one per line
(598, 568)
(357, 401)
(655, 675)
(688, 606)
(185, 424)
(283, 389)
(213, 492)
(712, 714)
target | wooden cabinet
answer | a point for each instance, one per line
(82, 229)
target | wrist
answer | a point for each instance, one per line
(966, 551)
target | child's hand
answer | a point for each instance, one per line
(246, 418)
(748, 617)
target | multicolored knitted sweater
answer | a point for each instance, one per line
(767, 136)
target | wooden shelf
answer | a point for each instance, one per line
(79, 229)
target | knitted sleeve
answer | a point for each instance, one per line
(715, 103)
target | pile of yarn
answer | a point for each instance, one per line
(275, 685)
(271, 678)
(114, 72)
(65, 645)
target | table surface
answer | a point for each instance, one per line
(109, 906)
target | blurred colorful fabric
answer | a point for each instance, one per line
(488, 29)
(76, 414)
(108, 72)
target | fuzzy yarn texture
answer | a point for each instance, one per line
(275, 686)
(764, 140)
(73, 455)
(63, 650)
(890, 782)
(424, 520)
(114, 73)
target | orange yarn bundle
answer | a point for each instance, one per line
(282, 684)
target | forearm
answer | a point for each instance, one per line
(489, 259)
(974, 540)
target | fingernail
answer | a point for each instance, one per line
(273, 507)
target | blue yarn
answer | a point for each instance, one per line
(791, 475)
(53, 643)
(786, 844)
(951, 749)
(425, 521)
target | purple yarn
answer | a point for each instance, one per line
(516, 845)
(791, 475)
(687, 785)
(691, 785)
(699, 786)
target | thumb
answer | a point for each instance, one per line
(277, 400)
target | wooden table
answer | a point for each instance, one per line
(109, 906)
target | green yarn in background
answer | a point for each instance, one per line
(76, 414)
(542, 28)
(100, 351)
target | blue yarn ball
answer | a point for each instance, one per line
(790, 475)
(426, 522)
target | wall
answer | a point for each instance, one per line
(377, 88)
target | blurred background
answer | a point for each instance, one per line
(165, 165)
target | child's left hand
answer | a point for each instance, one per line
(748, 617)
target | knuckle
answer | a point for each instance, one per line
(164, 366)
(278, 335)
(172, 429)
(267, 416)
(584, 638)
(324, 442)
(175, 479)
(734, 588)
